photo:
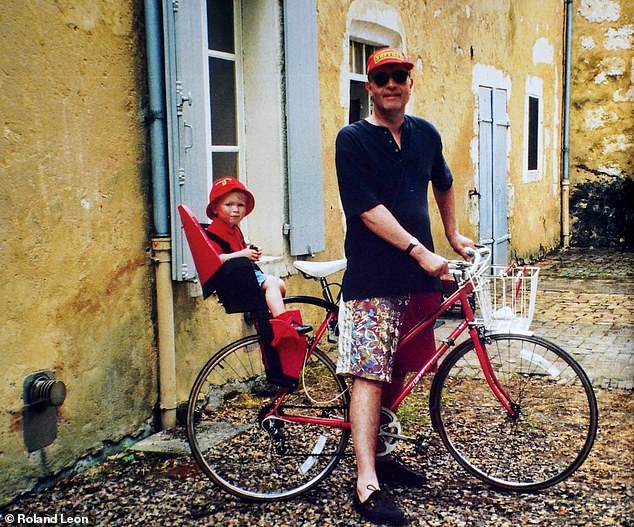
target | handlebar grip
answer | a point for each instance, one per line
(480, 258)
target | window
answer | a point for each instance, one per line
(223, 89)
(223, 68)
(533, 133)
(533, 130)
(360, 103)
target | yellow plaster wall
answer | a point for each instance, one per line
(75, 281)
(602, 109)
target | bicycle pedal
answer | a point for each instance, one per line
(422, 447)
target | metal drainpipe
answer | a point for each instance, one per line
(161, 243)
(565, 182)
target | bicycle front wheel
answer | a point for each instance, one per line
(257, 458)
(554, 427)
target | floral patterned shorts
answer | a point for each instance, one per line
(368, 336)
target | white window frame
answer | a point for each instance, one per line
(534, 90)
(361, 77)
(236, 58)
(264, 162)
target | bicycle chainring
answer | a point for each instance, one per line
(390, 426)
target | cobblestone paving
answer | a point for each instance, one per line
(585, 305)
(591, 317)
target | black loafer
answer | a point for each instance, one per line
(393, 472)
(302, 329)
(379, 508)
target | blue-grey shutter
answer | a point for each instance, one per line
(500, 209)
(485, 136)
(187, 125)
(493, 124)
(305, 189)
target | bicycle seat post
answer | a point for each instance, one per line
(325, 290)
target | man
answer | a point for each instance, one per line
(384, 165)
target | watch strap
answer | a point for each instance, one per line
(412, 243)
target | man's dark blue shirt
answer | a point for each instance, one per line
(373, 170)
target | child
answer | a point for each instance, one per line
(229, 203)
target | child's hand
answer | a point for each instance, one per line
(253, 253)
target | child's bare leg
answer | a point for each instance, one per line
(274, 293)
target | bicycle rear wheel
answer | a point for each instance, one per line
(553, 432)
(256, 458)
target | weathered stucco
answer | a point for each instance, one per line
(602, 123)
(74, 276)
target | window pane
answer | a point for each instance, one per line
(224, 164)
(359, 102)
(220, 25)
(533, 132)
(357, 59)
(223, 102)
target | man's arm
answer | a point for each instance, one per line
(447, 207)
(383, 223)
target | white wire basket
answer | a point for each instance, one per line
(506, 297)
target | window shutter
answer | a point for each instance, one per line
(305, 189)
(190, 172)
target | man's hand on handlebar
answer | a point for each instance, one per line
(461, 244)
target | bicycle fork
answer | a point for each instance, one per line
(479, 340)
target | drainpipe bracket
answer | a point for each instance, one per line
(161, 250)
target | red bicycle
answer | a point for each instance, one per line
(515, 410)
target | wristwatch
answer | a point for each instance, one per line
(413, 242)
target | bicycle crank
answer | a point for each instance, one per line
(390, 433)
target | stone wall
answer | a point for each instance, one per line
(602, 123)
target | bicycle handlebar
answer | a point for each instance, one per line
(481, 258)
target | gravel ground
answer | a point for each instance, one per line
(154, 490)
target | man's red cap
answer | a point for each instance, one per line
(384, 56)
(222, 187)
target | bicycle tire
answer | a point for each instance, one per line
(225, 425)
(557, 422)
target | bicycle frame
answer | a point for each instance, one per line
(468, 322)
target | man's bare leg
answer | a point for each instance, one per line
(365, 408)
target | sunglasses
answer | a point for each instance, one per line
(382, 78)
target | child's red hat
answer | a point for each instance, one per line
(222, 187)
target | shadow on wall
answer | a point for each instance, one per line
(601, 212)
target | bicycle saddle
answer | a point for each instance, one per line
(320, 269)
